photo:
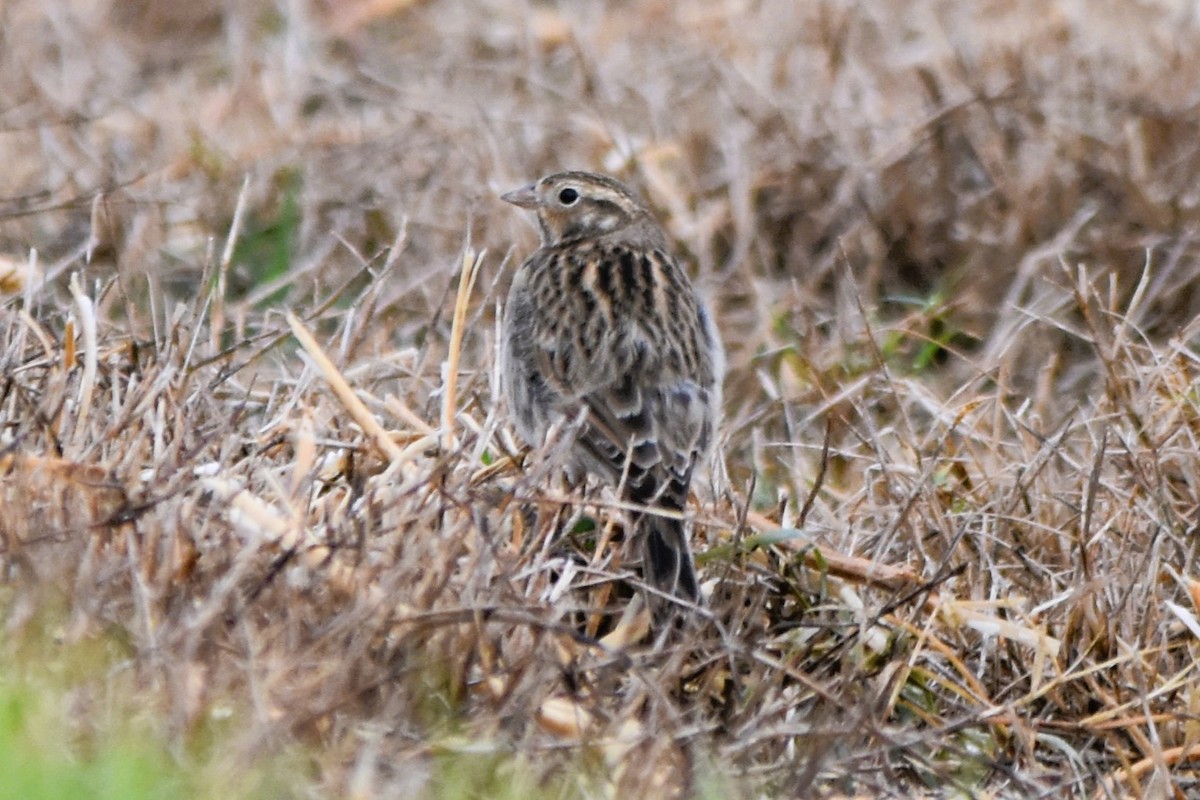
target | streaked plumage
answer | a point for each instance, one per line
(603, 317)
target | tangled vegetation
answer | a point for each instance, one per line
(264, 529)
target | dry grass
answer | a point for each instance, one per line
(248, 442)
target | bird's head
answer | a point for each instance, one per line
(577, 205)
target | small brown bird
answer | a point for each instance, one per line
(602, 317)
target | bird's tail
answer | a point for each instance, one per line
(666, 557)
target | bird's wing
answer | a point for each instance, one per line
(640, 409)
(660, 430)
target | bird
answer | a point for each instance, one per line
(603, 327)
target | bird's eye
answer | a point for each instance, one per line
(568, 196)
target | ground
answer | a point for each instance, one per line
(265, 530)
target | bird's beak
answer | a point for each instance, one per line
(525, 197)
